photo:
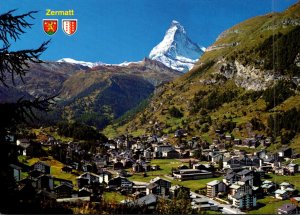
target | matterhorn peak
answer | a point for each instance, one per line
(178, 26)
(174, 22)
(176, 50)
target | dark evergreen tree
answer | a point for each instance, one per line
(14, 64)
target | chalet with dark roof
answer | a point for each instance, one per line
(90, 178)
(42, 167)
(141, 167)
(84, 192)
(64, 190)
(230, 178)
(45, 182)
(152, 188)
(171, 153)
(163, 187)
(160, 149)
(150, 201)
(120, 183)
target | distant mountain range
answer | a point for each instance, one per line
(90, 64)
(97, 93)
(77, 62)
(94, 93)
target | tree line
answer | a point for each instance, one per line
(79, 131)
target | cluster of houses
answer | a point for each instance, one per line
(103, 170)
(243, 187)
(104, 167)
(90, 186)
(40, 183)
(239, 185)
(242, 183)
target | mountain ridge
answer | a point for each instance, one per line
(88, 94)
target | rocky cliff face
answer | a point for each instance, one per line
(247, 77)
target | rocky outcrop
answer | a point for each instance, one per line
(228, 32)
(247, 77)
(288, 22)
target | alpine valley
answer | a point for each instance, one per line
(186, 130)
(90, 93)
(239, 86)
(97, 93)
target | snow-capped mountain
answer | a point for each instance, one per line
(176, 50)
(83, 63)
(90, 64)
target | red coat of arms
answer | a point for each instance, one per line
(50, 26)
(69, 26)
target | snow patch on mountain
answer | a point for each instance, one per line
(126, 63)
(176, 50)
(83, 63)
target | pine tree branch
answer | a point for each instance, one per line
(17, 62)
(13, 26)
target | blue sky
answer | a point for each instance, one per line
(113, 31)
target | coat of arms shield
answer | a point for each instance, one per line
(50, 26)
(69, 26)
